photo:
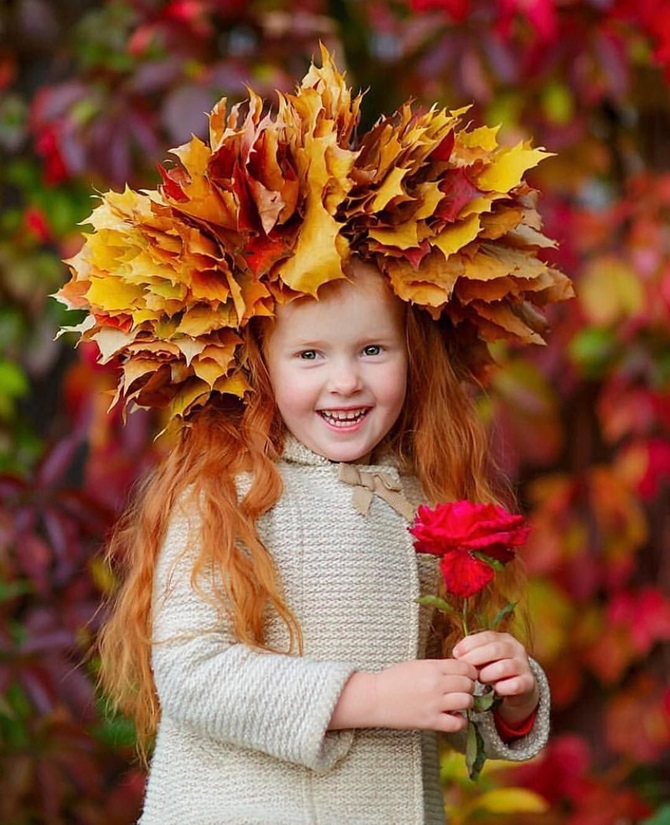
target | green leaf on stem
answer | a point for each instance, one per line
(440, 604)
(485, 701)
(475, 752)
(494, 563)
(506, 611)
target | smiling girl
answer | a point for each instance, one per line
(266, 635)
(338, 366)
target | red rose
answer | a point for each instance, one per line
(471, 539)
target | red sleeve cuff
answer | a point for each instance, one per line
(508, 732)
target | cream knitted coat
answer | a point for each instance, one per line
(243, 736)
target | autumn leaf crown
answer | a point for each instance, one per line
(273, 206)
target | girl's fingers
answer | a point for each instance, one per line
(503, 669)
(459, 684)
(452, 702)
(493, 652)
(478, 640)
(450, 723)
(514, 686)
(487, 647)
(457, 667)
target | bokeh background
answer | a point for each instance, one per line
(92, 94)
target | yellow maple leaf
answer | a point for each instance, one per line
(500, 222)
(209, 285)
(316, 258)
(188, 347)
(189, 395)
(113, 294)
(136, 369)
(508, 167)
(207, 369)
(146, 316)
(223, 349)
(201, 319)
(254, 295)
(159, 350)
(194, 157)
(432, 284)
(491, 290)
(217, 120)
(508, 322)
(167, 290)
(235, 384)
(483, 137)
(455, 237)
(404, 236)
(428, 196)
(73, 293)
(527, 236)
(561, 288)
(496, 261)
(390, 188)
(110, 342)
(483, 266)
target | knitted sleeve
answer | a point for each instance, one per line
(275, 703)
(520, 749)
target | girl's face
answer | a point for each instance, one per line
(338, 366)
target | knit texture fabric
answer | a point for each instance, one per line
(243, 736)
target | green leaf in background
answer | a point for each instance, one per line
(661, 817)
(557, 102)
(593, 349)
(13, 381)
(13, 385)
(15, 711)
(11, 590)
(115, 732)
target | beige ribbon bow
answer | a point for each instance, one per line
(367, 484)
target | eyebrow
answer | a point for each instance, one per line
(316, 343)
(305, 343)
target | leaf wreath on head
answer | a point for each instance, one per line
(274, 204)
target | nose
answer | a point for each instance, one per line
(344, 377)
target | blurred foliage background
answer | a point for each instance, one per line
(92, 94)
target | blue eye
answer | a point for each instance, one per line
(308, 355)
(372, 349)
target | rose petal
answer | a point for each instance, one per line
(465, 575)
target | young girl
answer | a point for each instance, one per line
(267, 631)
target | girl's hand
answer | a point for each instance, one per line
(502, 662)
(427, 694)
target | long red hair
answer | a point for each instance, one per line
(438, 437)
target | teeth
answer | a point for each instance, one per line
(342, 416)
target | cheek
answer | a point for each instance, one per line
(293, 392)
(400, 380)
(393, 388)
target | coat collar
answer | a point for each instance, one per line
(295, 452)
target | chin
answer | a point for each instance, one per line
(345, 454)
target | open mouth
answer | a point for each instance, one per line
(344, 418)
